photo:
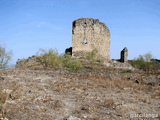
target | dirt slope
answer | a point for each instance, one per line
(106, 94)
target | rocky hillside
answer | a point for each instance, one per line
(104, 94)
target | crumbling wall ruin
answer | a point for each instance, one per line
(89, 34)
(124, 55)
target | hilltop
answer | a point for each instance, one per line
(104, 93)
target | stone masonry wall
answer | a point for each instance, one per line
(89, 34)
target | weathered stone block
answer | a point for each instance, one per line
(68, 51)
(124, 55)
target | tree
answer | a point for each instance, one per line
(148, 56)
(5, 57)
(143, 62)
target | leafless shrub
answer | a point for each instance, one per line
(5, 57)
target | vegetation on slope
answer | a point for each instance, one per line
(51, 59)
(146, 63)
(5, 57)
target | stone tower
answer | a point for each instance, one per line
(89, 34)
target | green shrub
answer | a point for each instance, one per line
(73, 65)
(127, 71)
(92, 56)
(143, 62)
(49, 59)
(70, 63)
(65, 59)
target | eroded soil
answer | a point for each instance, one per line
(105, 94)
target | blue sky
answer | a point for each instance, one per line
(27, 25)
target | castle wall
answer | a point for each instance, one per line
(89, 34)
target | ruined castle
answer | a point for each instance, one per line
(89, 34)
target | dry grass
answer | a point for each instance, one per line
(95, 95)
(4, 97)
